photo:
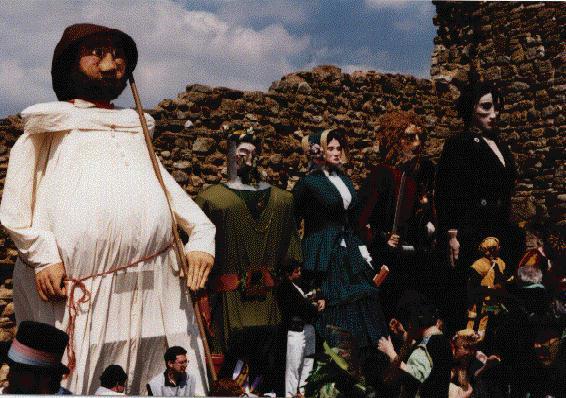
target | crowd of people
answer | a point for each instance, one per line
(417, 284)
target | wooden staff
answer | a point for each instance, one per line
(179, 247)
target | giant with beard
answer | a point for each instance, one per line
(92, 224)
(256, 237)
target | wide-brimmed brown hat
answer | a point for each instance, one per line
(65, 52)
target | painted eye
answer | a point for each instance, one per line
(486, 106)
(98, 52)
(118, 53)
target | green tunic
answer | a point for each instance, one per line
(247, 241)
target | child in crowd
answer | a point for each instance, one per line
(299, 312)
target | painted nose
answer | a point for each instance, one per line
(107, 63)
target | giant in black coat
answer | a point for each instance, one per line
(473, 195)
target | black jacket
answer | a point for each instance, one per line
(473, 188)
(295, 308)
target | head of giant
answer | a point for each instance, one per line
(92, 62)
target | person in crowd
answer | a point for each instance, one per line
(474, 184)
(531, 292)
(403, 342)
(34, 358)
(549, 373)
(426, 372)
(112, 381)
(547, 252)
(486, 284)
(474, 373)
(175, 381)
(256, 237)
(299, 312)
(92, 225)
(463, 348)
(396, 216)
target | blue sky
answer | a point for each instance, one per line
(245, 44)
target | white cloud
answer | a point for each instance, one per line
(239, 44)
(176, 46)
(282, 11)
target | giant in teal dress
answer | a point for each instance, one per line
(342, 274)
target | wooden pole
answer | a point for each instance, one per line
(179, 247)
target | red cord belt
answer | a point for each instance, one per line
(73, 304)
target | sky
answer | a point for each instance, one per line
(241, 44)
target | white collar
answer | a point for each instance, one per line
(240, 186)
(84, 104)
(81, 103)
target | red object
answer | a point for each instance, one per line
(229, 282)
(217, 361)
(204, 307)
(407, 202)
(381, 275)
(409, 195)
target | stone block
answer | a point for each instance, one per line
(198, 88)
(204, 145)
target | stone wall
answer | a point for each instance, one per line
(10, 129)
(190, 140)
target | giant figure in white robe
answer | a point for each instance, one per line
(80, 190)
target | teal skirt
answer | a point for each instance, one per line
(352, 301)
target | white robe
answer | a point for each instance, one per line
(80, 189)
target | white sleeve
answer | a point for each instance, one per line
(49, 117)
(190, 217)
(419, 364)
(36, 246)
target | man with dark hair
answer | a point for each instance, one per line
(112, 381)
(35, 360)
(299, 311)
(427, 369)
(175, 381)
(92, 224)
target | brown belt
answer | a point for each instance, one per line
(230, 282)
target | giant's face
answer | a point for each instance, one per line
(245, 157)
(485, 113)
(411, 140)
(333, 153)
(99, 72)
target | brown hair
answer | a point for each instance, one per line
(467, 341)
(392, 125)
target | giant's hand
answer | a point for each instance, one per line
(393, 240)
(200, 264)
(49, 283)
